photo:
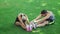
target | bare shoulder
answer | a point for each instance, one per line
(49, 13)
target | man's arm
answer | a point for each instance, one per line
(38, 17)
(46, 17)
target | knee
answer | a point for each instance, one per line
(17, 23)
(25, 28)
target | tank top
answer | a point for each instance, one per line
(51, 16)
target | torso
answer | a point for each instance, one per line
(51, 15)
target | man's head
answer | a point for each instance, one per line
(43, 12)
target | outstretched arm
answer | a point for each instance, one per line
(46, 17)
(38, 17)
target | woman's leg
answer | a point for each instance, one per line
(20, 24)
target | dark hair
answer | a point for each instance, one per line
(43, 11)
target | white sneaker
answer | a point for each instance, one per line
(51, 23)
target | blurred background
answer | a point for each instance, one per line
(9, 9)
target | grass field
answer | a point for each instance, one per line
(9, 9)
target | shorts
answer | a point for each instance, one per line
(50, 20)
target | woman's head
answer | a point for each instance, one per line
(23, 16)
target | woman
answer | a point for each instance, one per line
(21, 20)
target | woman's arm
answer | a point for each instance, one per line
(27, 20)
(20, 19)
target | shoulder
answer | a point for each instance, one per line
(48, 13)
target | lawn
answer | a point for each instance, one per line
(9, 9)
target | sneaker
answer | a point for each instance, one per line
(51, 23)
(35, 25)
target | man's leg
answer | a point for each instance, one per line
(20, 24)
(42, 24)
(35, 23)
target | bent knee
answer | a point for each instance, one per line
(17, 23)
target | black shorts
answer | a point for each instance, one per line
(50, 20)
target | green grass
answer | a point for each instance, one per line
(9, 9)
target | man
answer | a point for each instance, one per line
(21, 20)
(46, 17)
